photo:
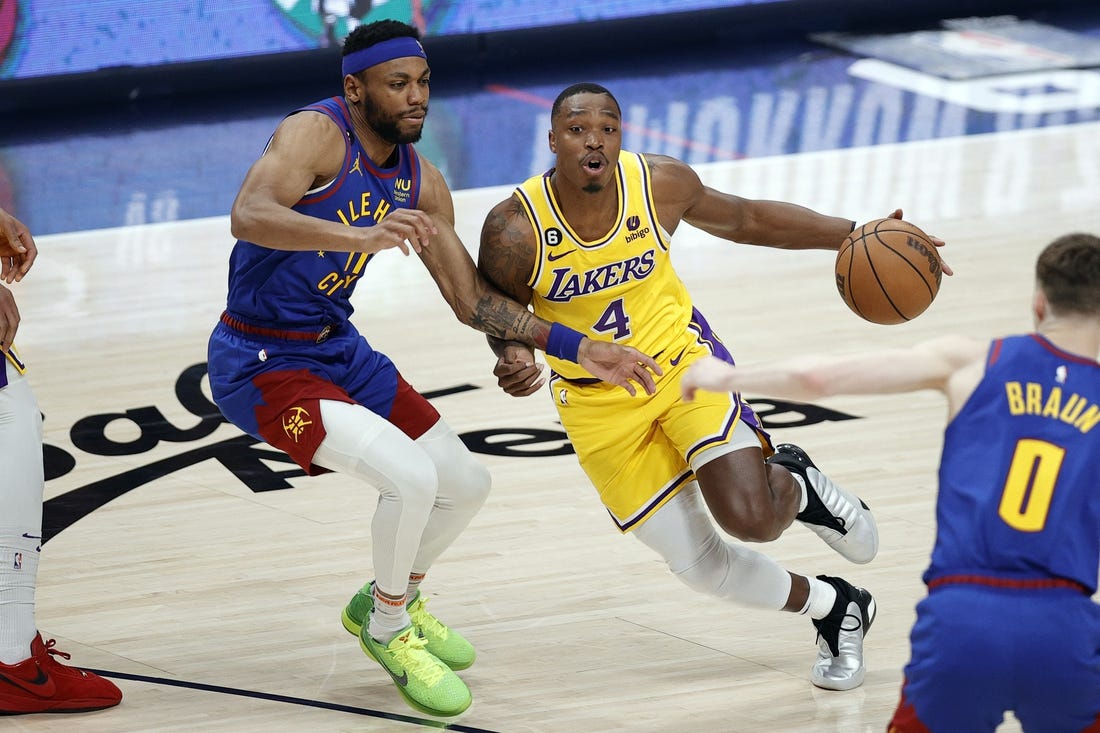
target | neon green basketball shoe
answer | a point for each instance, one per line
(447, 645)
(426, 683)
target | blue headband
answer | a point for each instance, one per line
(395, 48)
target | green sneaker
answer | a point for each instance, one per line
(425, 682)
(448, 646)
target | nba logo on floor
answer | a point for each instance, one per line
(17, 561)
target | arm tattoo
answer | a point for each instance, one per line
(503, 318)
(506, 260)
(507, 250)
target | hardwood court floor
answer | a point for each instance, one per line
(216, 607)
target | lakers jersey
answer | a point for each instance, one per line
(1019, 494)
(620, 287)
(278, 288)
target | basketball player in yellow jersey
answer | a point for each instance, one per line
(587, 245)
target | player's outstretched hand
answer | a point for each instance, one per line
(404, 229)
(517, 372)
(619, 365)
(709, 373)
(935, 240)
(17, 248)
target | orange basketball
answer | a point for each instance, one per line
(888, 271)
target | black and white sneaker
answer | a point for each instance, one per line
(840, 635)
(836, 516)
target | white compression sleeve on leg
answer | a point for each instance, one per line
(361, 444)
(463, 487)
(20, 513)
(682, 533)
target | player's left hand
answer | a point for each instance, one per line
(619, 365)
(517, 372)
(935, 240)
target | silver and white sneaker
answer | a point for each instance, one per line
(836, 516)
(840, 635)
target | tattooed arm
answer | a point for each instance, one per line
(506, 258)
(475, 301)
(481, 305)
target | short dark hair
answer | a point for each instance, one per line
(584, 87)
(365, 36)
(1068, 272)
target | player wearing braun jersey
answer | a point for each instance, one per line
(338, 182)
(1008, 623)
(1008, 616)
(587, 245)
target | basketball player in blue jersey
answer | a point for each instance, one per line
(587, 244)
(1008, 623)
(339, 182)
(31, 679)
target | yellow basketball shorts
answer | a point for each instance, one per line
(639, 451)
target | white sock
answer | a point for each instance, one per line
(821, 599)
(18, 573)
(389, 616)
(414, 585)
(805, 500)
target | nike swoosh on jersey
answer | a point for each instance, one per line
(679, 356)
(557, 256)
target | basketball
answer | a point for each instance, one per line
(888, 271)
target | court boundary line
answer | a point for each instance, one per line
(301, 701)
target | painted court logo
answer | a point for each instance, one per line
(295, 422)
(258, 466)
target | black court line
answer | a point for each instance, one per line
(412, 720)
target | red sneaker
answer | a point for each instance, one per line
(41, 684)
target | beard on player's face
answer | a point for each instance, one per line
(388, 126)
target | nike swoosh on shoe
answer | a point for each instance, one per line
(41, 685)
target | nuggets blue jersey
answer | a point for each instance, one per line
(269, 287)
(1019, 480)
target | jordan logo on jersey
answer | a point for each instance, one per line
(295, 422)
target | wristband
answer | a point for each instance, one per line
(564, 342)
